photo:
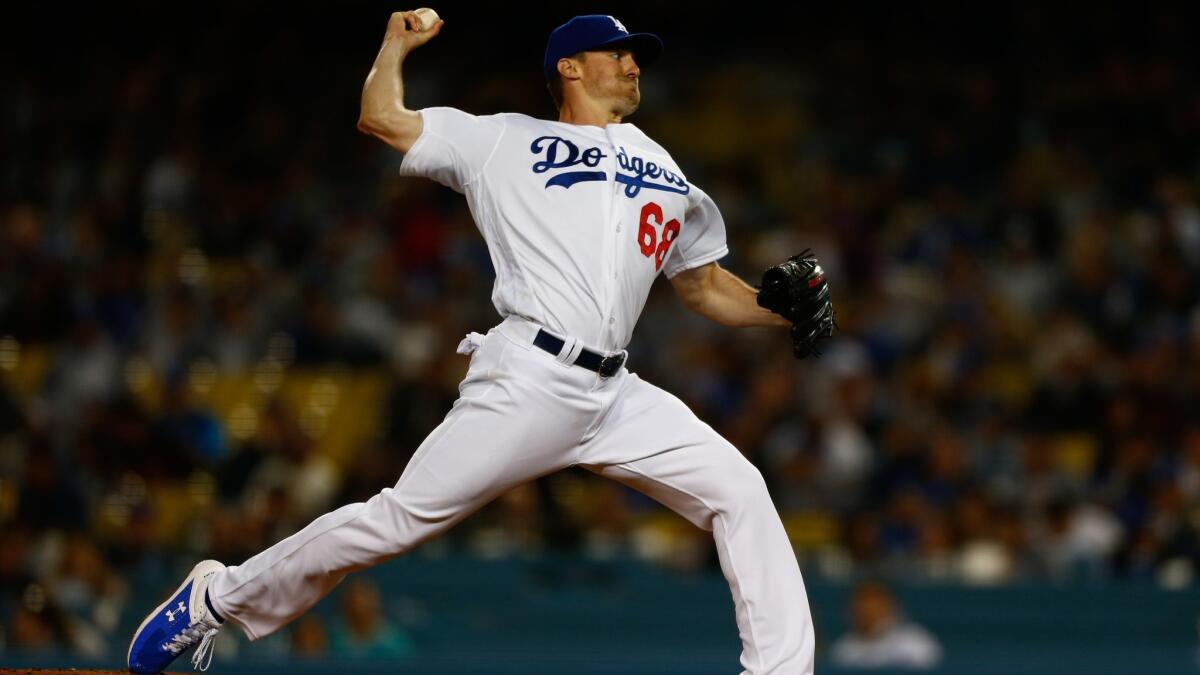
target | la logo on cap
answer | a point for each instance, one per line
(620, 26)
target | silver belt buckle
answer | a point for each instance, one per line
(609, 365)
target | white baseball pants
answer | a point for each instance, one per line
(523, 413)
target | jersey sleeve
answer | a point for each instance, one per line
(453, 148)
(702, 237)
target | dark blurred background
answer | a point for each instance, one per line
(222, 313)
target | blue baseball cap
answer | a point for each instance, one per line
(597, 31)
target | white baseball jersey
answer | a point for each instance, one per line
(579, 219)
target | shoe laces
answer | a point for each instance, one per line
(202, 631)
(205, 650)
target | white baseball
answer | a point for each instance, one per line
(427, 16)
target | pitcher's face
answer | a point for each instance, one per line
(612, 76)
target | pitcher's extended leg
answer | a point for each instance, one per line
(499, 434)
(652, 442)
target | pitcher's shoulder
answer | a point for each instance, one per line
(526, 121)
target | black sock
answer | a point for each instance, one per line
(212, 610)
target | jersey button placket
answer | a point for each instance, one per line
(614, 258)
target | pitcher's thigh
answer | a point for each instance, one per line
(497, 436)
(653, 442)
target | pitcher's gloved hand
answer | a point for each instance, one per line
(796, 290)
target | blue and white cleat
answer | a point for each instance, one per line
(186, 618)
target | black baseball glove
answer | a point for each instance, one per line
(796, 290)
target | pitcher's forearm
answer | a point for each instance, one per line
(717, 294)
(733, 302)
(383, 93)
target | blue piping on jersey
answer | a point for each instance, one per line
(566, 180)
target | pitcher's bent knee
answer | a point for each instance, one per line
(742, 491)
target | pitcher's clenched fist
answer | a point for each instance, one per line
(409, 27)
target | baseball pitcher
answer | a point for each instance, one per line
(580, 215)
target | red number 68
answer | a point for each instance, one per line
(652, 215)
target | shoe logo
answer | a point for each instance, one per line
(171, 614)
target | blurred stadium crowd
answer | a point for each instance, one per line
(223, 313)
